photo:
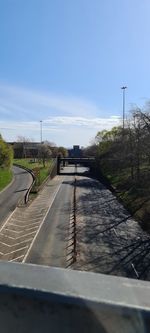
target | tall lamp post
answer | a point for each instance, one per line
(41, 129)
(123, 105)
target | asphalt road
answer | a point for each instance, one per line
(15, 192)
(49, 247)
(109, 240)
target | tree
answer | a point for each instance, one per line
(63, 152)
(22, 145)
(6, 154)
(44, 153)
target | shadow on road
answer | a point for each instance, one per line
(110, 240)
(25, 189)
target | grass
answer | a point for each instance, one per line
(41, 172)
(134, 194)
(5, 178)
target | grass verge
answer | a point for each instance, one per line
(6, 176)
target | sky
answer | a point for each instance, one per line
(64, 62)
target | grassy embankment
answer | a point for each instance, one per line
(134, 194)
(5, 177)
(40, 171)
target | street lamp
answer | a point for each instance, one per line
(123, 90)
(41, 129)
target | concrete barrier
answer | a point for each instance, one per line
(42, 299)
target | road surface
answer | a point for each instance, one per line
(50, 245)
(38, 233)
(108, 239)
(15, 192)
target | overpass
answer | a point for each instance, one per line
(46, 299)
(85, 161)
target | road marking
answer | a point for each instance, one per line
(10, 230)
(16, 258)
(34, 227)
(30, 233)
(135, 271)
(115, 232)
(9, 217)
(25, 241)
(7, 236)
(22, 248)
(41, 224)
(23, 226)
(23, 220)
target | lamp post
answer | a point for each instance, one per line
(41, 129)
(123, 105)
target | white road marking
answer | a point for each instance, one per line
(135, 271)
(9, 217)
(16, 258)
(25, 241)
(29, 249)
(10, 230)
(115, 232)
(22, 248)
(23, 226)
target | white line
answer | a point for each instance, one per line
(115, 232)
(30, 233)
(23, 226)
(16, 258)
(135, 271)
(25, 241)
(25, 219)
(26, 229)
(7, 236)
(9, 217)
(22, 248)
(10, 230)
(42, 223)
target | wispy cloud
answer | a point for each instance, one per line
(24, 103)
(65, 119)
(84, 122)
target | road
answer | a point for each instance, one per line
(50, 245)
(109, 240)
(15, 192)
(38, 233)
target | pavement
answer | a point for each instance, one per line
(15, 192)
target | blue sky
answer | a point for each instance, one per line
(64, 61)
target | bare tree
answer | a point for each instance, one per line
(44, 153)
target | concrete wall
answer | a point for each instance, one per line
(41, 299)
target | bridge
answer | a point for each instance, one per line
(85, 161)
(45, 299)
